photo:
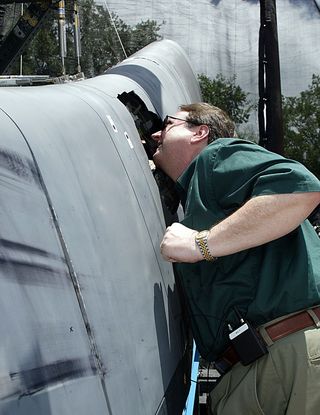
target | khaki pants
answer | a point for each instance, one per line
(285, 381)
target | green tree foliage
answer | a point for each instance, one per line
(42, 55)
(101, 35)
(142, 34)
(301, 116)
(225, 94)
(100, 44)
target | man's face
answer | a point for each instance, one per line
(174, 145)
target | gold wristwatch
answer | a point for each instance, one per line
(202, 243)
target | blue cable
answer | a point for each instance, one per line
(189, 406)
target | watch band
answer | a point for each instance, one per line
(201, 239)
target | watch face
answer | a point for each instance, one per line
(202, 234)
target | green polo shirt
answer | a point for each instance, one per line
(265, 282)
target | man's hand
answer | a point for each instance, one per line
(178, 244)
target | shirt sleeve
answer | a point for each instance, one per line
(241, 170)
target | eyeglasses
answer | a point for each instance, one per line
(165, 122)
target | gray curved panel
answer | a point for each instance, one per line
(91, 321)
(162, 69)
(44, 339)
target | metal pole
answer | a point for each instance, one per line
(76, 34)
(270, 108)
(21, 57)
(62, 34)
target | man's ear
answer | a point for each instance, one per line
(201, 134)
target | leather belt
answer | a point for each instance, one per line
(280, 328)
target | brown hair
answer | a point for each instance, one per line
(219, 123)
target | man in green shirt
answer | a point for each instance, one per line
(248, 260)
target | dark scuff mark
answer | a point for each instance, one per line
(29, 265)
(32, 273)
(22, 167)
(29, 382)
(17, 246)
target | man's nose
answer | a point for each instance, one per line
(156, 136)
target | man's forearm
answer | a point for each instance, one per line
(261, 220)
